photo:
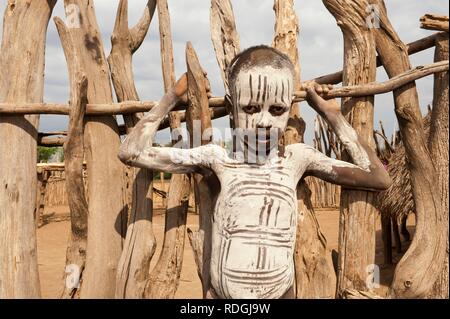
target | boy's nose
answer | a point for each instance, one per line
(264, 121)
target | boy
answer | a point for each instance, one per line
(255, 216)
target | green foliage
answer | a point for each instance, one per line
(167, 176)
(45, 154)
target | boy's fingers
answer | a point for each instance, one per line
(314, 97)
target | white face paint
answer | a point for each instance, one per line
(262, 101)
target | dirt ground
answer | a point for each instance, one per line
(52, 243)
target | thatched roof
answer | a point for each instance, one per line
(397, 201)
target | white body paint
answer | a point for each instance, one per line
(255, 216)
(254, 229)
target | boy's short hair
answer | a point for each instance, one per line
(261, 55)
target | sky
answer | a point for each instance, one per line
(320, 48)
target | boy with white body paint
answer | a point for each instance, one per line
(255, 215)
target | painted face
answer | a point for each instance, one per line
(262, 101)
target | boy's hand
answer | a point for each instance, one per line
(181, 88)
(314, 97)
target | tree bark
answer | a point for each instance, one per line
(107, 209)
(358, 212)
(22, 59)
(73, 158)
(438, 146)
(140, 243)
(419, 267)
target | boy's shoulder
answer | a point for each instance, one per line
(299, 147)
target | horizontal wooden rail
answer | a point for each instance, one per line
(219, 102)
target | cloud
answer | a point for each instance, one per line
(320, 47)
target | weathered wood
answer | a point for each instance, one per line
(106, 220)
(419, 267)
(393, 83)
(357, 219)
(140, 243)
(73, 158)
(224, 36)
(59, 141)
(217, 103)
(22, 58)
(128, 107)
(434, 22)
(314, 272)
(198, 115)
(51, 141)
(438, 146)
(165, 276)
(413, 48)
(315, 276)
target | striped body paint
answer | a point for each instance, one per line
(254, 229)
(255, 214)
(262, 97)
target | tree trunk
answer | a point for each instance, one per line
(315, 277)
(357, 220)
(107, 209)
(438, 146)
(140, 243)
(419, 267)
(22, 59)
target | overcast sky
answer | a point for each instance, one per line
(320, 47)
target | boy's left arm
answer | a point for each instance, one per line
(367, 172)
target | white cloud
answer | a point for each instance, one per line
(320, 46)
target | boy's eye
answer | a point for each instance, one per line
(251, 108)
(277, 109)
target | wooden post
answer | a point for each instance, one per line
(197, 114)
(224, 36)
(73, 157)
(107, 217)
(419, 267)
(357, 219)
(21, 80)
(140, 243)
(438, 146)
(314, 273)
(165, 276)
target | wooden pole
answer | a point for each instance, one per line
(315, 277)
(438, 146)
(22, 57)
(165, 276)
(419, 267)
(79, 211)
(106, 220)
(140, 242)
(434, 22)
(217, 104)
(358, 212)
(413, 48)
(204, 188)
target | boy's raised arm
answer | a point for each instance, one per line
(137, 149)
(367, 172)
